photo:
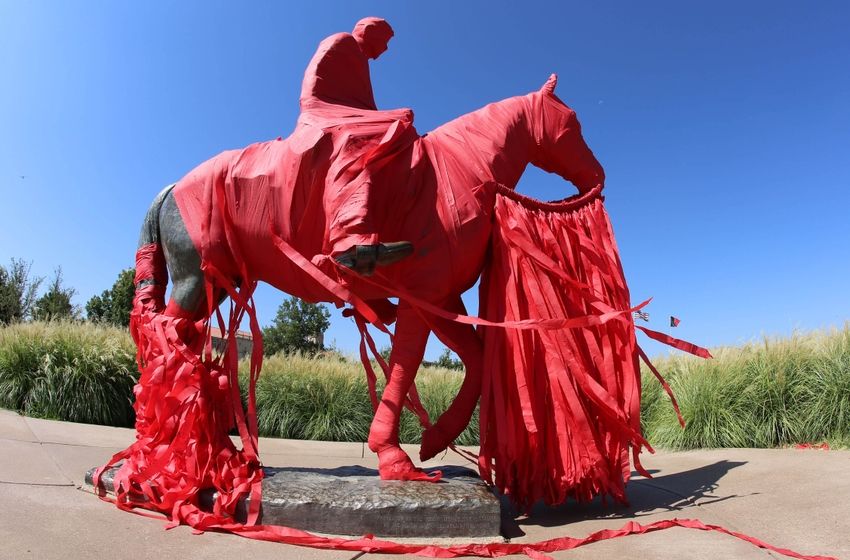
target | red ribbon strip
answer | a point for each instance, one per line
(676, 343)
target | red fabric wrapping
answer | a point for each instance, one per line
(676, 343)
(186, 404)
(276, 211)
(664, 384)
(339, 70)
(821, 446)
(495, 550)
(185, 409)
(560, 409)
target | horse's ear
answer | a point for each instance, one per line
(549, 86)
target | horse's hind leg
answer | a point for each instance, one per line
(188, 297)
(463, 341)
(411, 335)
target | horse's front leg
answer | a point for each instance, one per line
(463, 341)
(411, 335)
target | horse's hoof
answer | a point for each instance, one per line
(394, 464)
(419, 475)
(433, 443)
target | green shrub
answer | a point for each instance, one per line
(309, 398)
(775, 393)
(69, 371)
(438, 388)
(824, 400)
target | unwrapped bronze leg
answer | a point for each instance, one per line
(363, 258)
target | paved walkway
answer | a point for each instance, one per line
(797, 499)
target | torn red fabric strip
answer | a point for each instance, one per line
(495, 550)
(664, 384)
(185, 407)
(676, 343)
(560, 404)
(821, 446)
(550, 262)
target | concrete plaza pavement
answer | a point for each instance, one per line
(791, 498)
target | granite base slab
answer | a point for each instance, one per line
(354, 501)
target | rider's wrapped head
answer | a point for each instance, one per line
(372, 34)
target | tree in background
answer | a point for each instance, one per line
(17, 291)
(113, 306)
(56, 302)
(447, 361)
(298, 327)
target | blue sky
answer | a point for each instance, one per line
(724, 129)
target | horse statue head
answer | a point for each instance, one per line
(560, 147)
(498, 141)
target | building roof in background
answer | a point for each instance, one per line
(215, 332)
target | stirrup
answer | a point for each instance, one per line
(362, 259)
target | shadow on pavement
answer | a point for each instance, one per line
(672, 492)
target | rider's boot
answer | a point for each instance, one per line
(362, 259)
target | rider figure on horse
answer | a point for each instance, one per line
(339, 74)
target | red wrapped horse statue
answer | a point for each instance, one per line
(553, 362)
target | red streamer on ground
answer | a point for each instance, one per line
(535, 550)
(819, 446)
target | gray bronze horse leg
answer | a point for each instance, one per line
(184, 262)
(164, 225)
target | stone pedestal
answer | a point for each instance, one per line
(354, 501)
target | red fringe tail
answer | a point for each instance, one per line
(560, 409)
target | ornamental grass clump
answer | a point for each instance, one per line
(825, 399)
(774, 393)
(317, 398)
(77, 372)
(300, 397)
(438, 388)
